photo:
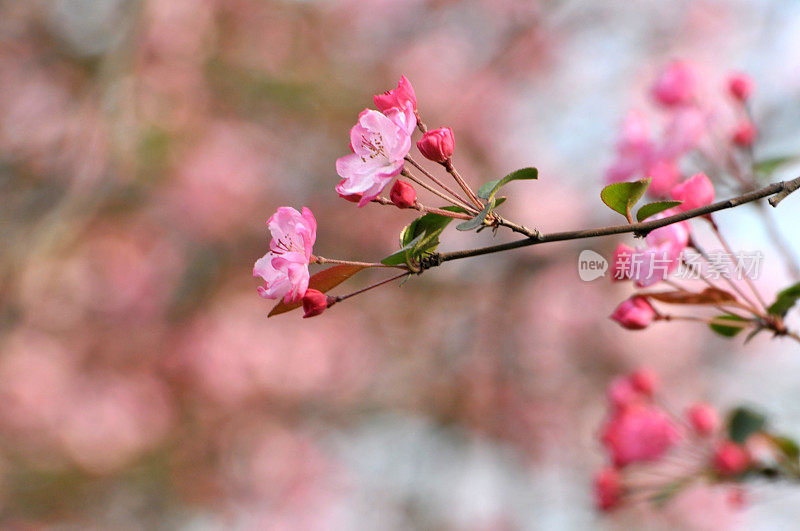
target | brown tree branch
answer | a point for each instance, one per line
(780, 190)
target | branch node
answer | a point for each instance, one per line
(429, 261)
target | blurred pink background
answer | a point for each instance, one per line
(143, 144)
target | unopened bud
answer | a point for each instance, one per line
(403, 194)
(437, 144)
(314, 303)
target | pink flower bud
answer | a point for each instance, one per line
(635, 313)
(645, 381)
(403, 194)
(314, 303)
(608, 488)
(730, 459)
(740, 86)
(696, 191)
(675, 85)
(703, 418)
(744, 134)
(437, 144)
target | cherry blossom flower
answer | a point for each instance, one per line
(379, 147)
(399, 105)
(639, 433)
(285, 267)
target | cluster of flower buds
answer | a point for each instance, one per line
(693, 126)
(654, 454)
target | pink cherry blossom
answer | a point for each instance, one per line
(379, 148)
(285, 267)
(399, 104)
(697, 191)
(675, 84)
(639, 433)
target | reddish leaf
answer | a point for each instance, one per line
(325, 280)
(707, 296)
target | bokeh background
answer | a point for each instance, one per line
(144, 143)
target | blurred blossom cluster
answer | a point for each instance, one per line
(143, 145)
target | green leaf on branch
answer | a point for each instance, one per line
(651, 209)
(419, 237)
(488, 190)
(478, 220)
(324, 281)
(788, 447)
(401, 256)
(725, 330)
(620, 197)
(744, 422)
(785, 300)
(768, 166)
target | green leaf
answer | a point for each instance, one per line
(788, 447)
(651, 209)
(767, 166)
(785, 300)
(620, 197)
(477, 221)
(728, 331)
(324, 281)
(401, 256)
(419, 237)
(488, 190)
(744, 422)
